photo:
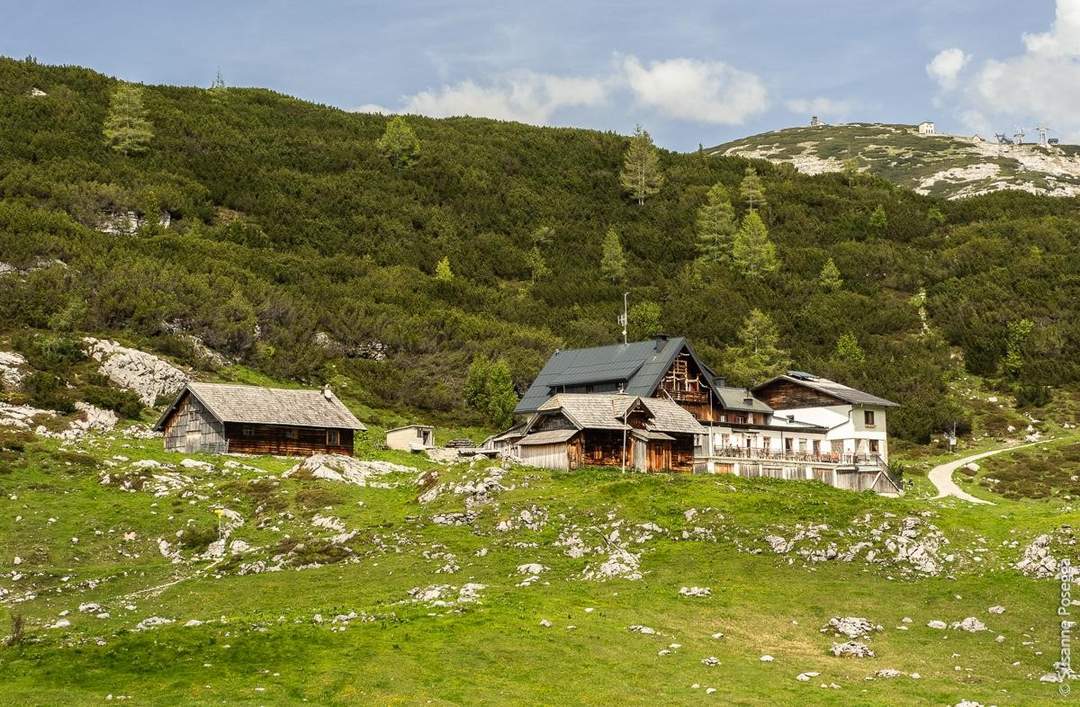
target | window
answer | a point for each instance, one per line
(247, 431)
(868, 418)
(874, 447)
(292, 433)
(333, 438)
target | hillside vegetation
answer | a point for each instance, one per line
(296, 247)
(946, 166)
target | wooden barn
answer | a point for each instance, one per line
(572, 430)
(217, 418)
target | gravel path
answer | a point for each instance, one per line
(941, 475)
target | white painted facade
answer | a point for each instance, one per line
(927, 128)
(860, 430)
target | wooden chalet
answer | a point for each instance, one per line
(571, 430)
(663, 367)
(796, 426)
(217, 418)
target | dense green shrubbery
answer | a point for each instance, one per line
(287, 219)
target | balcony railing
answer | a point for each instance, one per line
(770, 455)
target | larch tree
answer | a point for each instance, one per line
(612, 257)
(848, 350)
(399, 143)
(878, 219)
(644, 321)
(716, 226)
(751, 189)
(830, 279)
(641, 176)
(127, 128)
(758, 354)
(754, 254)
(538, 268)
(443, 273)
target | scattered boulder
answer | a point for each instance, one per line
(806, 677)
(937, 624)
(998, 609)
(146, 375)
(11, 373)
(852, 649)
(970, 624)
(695, 592)
(639, 628)
(851, 626)
(338, 467)
(1037, 561)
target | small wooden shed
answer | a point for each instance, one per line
(411, 438)
(219, 418)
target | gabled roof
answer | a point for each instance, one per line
(547, 437)
(638, 366)
(740, 399)
(603, 411)
(250, 404)
(831, 388)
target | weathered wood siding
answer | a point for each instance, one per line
(288, 441)
(546, 456)
(193, 429)
(785, 395)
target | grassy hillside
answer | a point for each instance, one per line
(297, 249)
(409, 590)
(940, 165)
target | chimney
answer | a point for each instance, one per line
(661, 339)
(720, 382)
(327, 393)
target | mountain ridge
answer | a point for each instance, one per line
(947, 166)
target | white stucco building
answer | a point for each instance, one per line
(927, 128)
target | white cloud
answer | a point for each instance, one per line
(370, 108)
(820, 106)
(1040, 85)
(683, 89)
(946, 66)
(701, 91)
(525, 96)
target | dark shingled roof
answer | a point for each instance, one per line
(638, 365)
(829, 387)
(269, 406)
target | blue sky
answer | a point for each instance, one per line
(689, 71)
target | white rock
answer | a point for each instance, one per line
(852, 649)
(146, 375)
(766, 658)
(638, 628)
(937, 624)
(695, 591)
(996, 609)
(970, 624)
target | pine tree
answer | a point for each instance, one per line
(716, 226)
(752, 250)
(848, 350)
(758, 355)
(538, 268)
(443, 273)
(641, 176)
(399, 143)
(127, 129)
(613, 259)
(751, 189)
(1016, 337)
(830, 279)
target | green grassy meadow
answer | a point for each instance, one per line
(272, 637)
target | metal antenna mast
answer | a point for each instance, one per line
(624, 318)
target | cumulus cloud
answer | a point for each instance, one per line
(684, 89)
(1042, 84)
(820, 106)
(701, 91)
(527, 97)
(945, 67)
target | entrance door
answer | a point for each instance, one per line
(193, 441)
